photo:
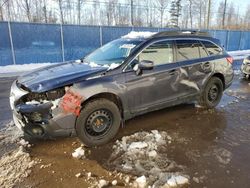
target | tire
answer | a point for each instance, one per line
(98, 122)
(212, 93)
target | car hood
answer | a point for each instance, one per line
(58, 75)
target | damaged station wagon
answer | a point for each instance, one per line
(130, 76)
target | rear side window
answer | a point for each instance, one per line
(212, 49)
(189, 49)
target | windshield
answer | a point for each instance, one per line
(113, 52)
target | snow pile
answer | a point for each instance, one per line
(79, 153)
(144, 154)
(15, 163)
(240, 54)
(134, 35)
(14, 167)
(13, 69)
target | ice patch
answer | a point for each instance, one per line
(174, 181)
(141, 182)
(137, 145)
(134, 34)
(102, 183)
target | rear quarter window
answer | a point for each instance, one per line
(189, 49)
(212, 49)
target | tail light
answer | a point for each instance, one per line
(230, 60)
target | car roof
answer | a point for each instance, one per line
(174, 34)
(178, 33)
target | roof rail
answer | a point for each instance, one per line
(182, 33)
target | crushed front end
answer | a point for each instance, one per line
(39, 114)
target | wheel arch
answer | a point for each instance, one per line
(221, 77)
(106, 95)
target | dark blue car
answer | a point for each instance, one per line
(127, 77)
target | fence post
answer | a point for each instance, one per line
(227, 40)
(62, 42)
(100, 30)
(11, 44)
(240, 40)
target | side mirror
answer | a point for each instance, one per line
(146, 65)
(143, 65)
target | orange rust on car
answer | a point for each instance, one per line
(71, 103)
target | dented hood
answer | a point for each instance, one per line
(58, 75)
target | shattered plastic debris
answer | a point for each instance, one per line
(79, 153)
(145, 154)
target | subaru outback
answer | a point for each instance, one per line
(127, 77)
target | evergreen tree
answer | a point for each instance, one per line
(175, 12)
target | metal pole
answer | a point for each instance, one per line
(62, 42)
(100, 30)
(11, 44)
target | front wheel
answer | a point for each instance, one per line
(212, 93)
(98, 122)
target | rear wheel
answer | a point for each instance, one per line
(98, 122)
(212, 93)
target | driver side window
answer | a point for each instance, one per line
(160, 53)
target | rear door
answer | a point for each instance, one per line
(153, 87)
(194, 65)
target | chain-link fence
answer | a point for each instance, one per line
(22, 43)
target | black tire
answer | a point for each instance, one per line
(212, 93)
(98, 122)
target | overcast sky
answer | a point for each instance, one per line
(242, 4)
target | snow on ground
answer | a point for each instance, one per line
(144, 154)
(140, 34)
(15, 162)
(239, 54)
(14, 70)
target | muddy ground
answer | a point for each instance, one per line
(211, 146)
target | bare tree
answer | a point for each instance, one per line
(220, 15)
(208, 13)
(190, 4)
(60, 5)
(2, 3)
(162, 6)
(79, 5)
(45, 11)
(27, 6)
(224, 14)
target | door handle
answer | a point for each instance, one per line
(206, 65)
(172, 72)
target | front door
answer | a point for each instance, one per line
(154, 87)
